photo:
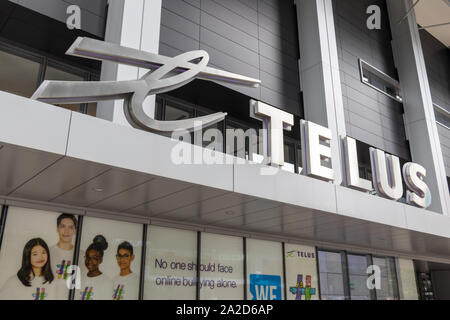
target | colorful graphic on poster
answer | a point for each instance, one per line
(40, 294)
(303, 289)
(62, 269)
(87, 293)
(118, 292)
(265, 287)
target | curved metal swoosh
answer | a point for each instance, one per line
(166, 74)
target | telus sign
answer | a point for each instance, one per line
(167, 74)
(317, 158)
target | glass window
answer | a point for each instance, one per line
(301, 272)
(222, 268)
(110, 259)
(18, 75)
(380, 81)
(174, 113)
(443, 119)
(389, 287)
(299, 157)
(235, 142)
(407, 280)
(289, 157)
(331, 276)
(47, 240)
(92, 109)
(171, 264)
(357, 273)
(264, 270)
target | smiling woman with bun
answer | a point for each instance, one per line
(95, 285)
(34, 280)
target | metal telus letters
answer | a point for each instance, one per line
(316, 151)
(414, 174)
(274, 122)
(165, 74)
(354, 181)
(387, 180)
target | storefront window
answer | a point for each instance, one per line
(331, 276)
(357, 273)
(222, 268)
(301, 272)
(110, 259)
(389, 289)
(47, 240)
(264, 270)
(171, 264)
(18, 75)
(407, 280)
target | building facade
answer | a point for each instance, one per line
(83, 190)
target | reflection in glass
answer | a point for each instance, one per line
(357, 267)
(389, 288)
(18, 75)
(222, 267)
(331, 276)
(174, 114)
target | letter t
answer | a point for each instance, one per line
(274, 122)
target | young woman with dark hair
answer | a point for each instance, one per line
(95, 285)
(34, 280)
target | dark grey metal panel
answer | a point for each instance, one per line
(93, 13)
(256, 38)
(371, 116)
(437, 60)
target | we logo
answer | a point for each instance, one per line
(265, 287)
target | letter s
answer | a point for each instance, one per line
(414, 174)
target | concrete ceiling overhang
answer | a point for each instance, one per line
(69, 160)
(432, 13)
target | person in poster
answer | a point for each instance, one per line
(62, 253)
(126, 284)
(34, 280)
(95, 285)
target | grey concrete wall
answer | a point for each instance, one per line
(256, 38)
(370, 116)
(93, 12)
(437, 60)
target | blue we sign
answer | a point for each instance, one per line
(265, 287)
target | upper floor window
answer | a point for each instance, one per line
(22, 72)
(442, 116)
(380, 81)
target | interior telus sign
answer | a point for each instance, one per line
(318, 162)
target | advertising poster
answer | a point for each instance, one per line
(222, 267)
(301, 272)
(171, 264)
(264, 270)
(110, 260)
(37, 249)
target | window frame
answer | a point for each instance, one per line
(364, 66)
(444, 112)
(44, 60)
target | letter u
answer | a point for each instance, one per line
(387, 179)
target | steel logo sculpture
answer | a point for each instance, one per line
(165, 74)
